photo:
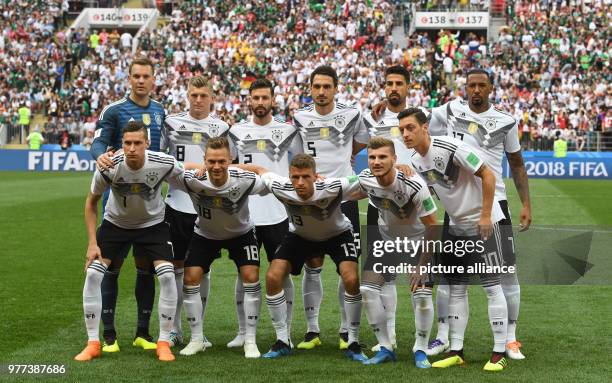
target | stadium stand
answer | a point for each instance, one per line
(551, 61)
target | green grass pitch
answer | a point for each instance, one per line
(565, 330)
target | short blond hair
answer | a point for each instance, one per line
(381, 142)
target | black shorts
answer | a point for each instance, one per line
(203, 251)
(271, 236)
(181, 230)
(152, 242)
(351, 210)
(507, 235)
(472, 252)
(298, 250)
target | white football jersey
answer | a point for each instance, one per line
(448, 168)
(388, 127)
(135, 199)
(272, 147)
(400, 205)
(492, 132)
(329, 138)
(223, 212)
(185, 138)
(319, 217)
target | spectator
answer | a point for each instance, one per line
(35, 140)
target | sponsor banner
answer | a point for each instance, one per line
(453, 20)
(592, 165)
(46, 160)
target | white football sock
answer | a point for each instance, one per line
(277, 305)
(442, 298)
(166, 305)
(422, 304)
(376, 314)
(498, 316)
(512, 292)
(458, 314)
(352, 305)
(343, 321)
(92, 299)
(178, 280)
(388, 294)
(312, 294)
(193, 309)
(289, 297)
(252, 307)
(239, 294)
(204, 292)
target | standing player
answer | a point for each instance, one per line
(492, 132)
(318, 227)
(185, 136)
(136, 106)
(397, 80)
(134, 215)
(404, 209)
(331, 133)
(220, 198)
(466, 188)
(268, 142)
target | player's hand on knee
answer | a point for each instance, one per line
(93, 253)
(485, 227)
(105, 162)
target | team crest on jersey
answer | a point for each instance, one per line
(431, 177)
(439, 163)
(135, 188)
(146, 119)
(340, 122)
(196, 138)
(213, 130)
(152, 178)
(234, 193)
(399, 195)
(395, 132)
(261, 145)
(158, 120)
(472, 127)
(490, 124)
(324, 132)
(277, 136)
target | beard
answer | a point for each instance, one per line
(395, 101)
(261, 111)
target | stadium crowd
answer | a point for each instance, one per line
(551, 62)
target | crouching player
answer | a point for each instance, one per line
(134, 215)
(404, 208)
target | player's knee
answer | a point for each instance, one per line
(314, 263)
(95, 272)
(249, 275)
(273, 281)
(351, 283)
(192, 277)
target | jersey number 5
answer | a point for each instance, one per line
(311, 147)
